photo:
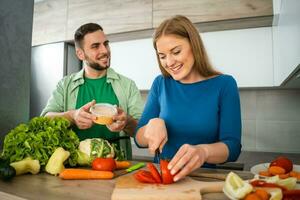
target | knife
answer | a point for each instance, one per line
(130, 169)
(157, 155)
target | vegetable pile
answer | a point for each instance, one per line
(39, 139)
(281, 166)
(270, 188)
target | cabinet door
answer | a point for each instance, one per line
(49, 21)
(114, 16)
(208, 10)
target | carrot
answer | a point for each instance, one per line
(252, 196)
(294, 174)
(85, 174)
(122, 164)
(263, 194)
(264, 173)
(276, 170)
(284, 176)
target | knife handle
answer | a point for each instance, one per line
(135, 167)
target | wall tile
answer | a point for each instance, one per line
(248, 104)
(278, 136)
(278, 105)
(249, 135)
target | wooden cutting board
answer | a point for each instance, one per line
(127, 188)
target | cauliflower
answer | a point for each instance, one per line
(89, 149)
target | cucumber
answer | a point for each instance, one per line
(7, 172)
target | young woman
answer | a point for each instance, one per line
(192, 112)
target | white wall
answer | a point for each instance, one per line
(135, 59)
(246, 54)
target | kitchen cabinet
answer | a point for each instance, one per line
(114, 16)
(287, 42)
(56, 20)
(213, 11)
(49, 22)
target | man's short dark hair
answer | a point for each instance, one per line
(83, 30)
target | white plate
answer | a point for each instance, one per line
(264, 167)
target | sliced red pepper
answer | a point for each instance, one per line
(144, 176)
(261, 183)
(166, 176)
(291, 195)
(154, 172)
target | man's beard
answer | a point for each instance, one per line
(95, 65)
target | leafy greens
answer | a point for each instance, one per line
(39, 139)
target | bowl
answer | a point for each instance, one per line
(104, 113)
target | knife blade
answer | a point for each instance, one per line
(157, 155)
(130, 169)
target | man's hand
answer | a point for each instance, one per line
(120, 121)
(82, 117)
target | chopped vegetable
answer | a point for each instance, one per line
(252, 196)
(291, 194)
(39, 139)
(276, 193)
(154, 172)
(262, 183)
(144, 176)
(27, 165)
(85, 174)
(235, 187)
(153, 176)
(276, 170)
(55, 164)
(167, 177)
(263, 194)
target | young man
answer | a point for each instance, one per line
(96, 83)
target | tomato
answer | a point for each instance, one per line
(167, 178)
(104, 164)
(144, 176)
(154, 172)
(283, 162)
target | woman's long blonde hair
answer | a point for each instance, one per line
(181, 26)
